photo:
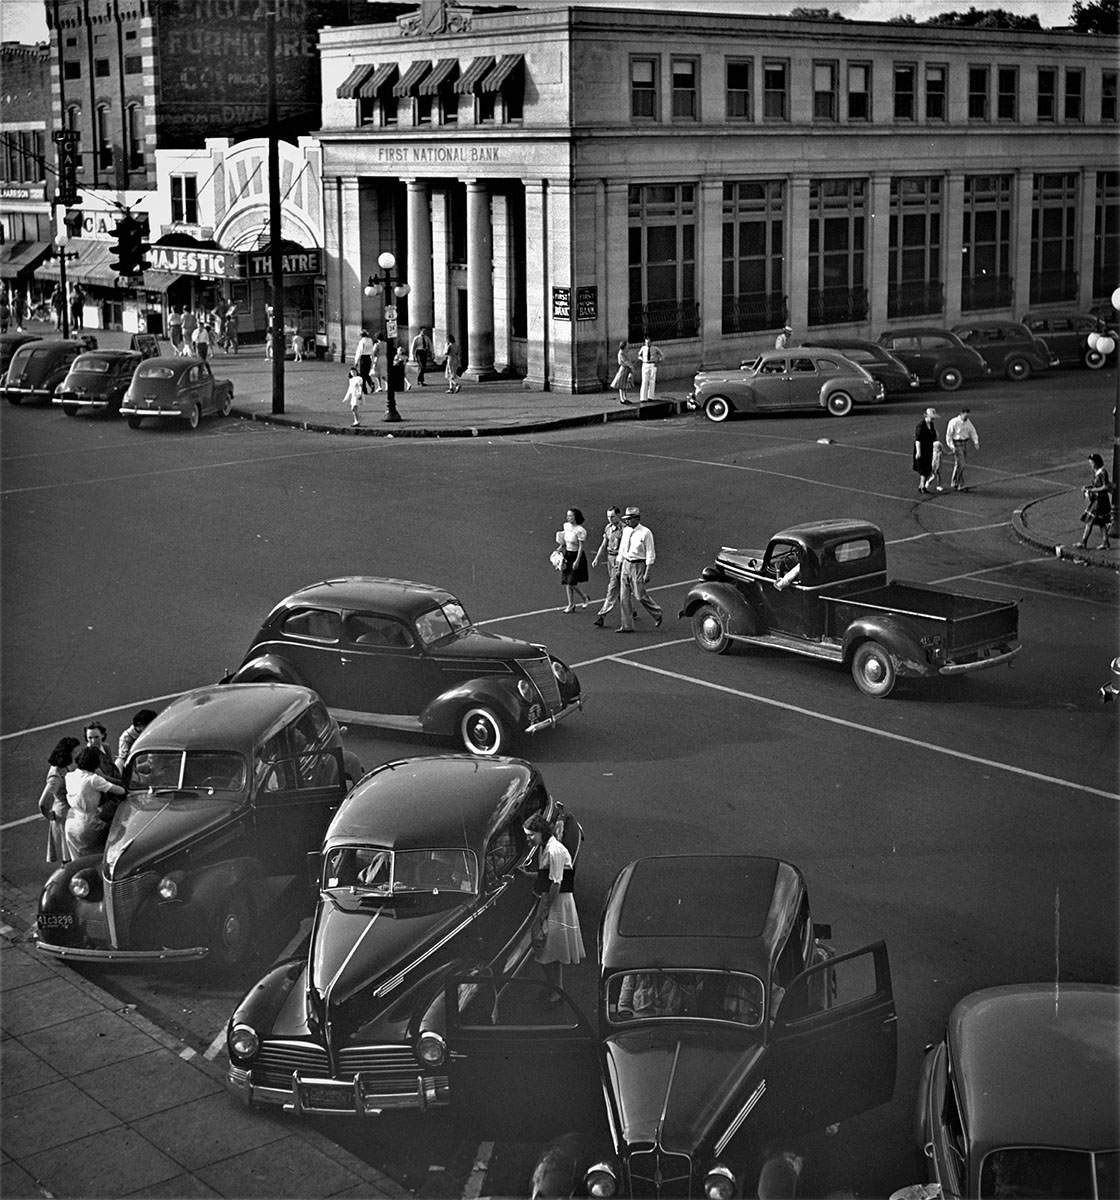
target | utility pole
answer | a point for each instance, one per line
(274, 219)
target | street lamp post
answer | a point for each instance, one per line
(1106, 344)
(393, 288)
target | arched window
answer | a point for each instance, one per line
(104, 139)
(134, 137)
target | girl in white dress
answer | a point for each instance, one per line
(556, 933)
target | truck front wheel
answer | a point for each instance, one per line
(709, 628)
(873, 670)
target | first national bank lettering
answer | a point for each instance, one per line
(438, 154)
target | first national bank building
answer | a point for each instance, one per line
(556, 179)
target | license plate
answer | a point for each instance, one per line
(314, 1095)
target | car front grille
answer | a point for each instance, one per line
(539, 671)
(276, 1061)
(655, 1173)
(123, 898)
(383, 1068)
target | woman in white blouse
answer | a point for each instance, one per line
(556, 934)
(571, 540)
(86, 829)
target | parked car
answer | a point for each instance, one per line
(425, 870)
(1020, 1098)
(184, 388)
(1008, 347)
(39, 366)
(406, 656)
(9, 344)
(1067, 334)
(895, 377)
(97, 381)
(935, 356)
(226, 790)
(784, 381)
(727, 1029)
(820, 589)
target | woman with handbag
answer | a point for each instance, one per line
(624, 374)
(556, 934)
(573, 571)
(1098, 504)
(52, 803)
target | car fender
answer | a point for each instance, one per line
(265, 667)
(262, 1005)
(895, 635)
(922, 1132)
(742, 619)
(207, 886)
(59, 916)
(441, 715)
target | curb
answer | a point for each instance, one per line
(1071, 553)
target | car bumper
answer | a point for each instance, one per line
(88, 954)
(129, 411)
(313, 1096)
(79, 402)
(29, 393)
(980, 664)
(556, 718)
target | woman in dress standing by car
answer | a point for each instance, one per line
(86, 830)
(52, 803)
(556, 934)
(571, 540)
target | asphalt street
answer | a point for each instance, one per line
(970, 822)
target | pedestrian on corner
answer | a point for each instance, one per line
(363, 360)
(57, 303)
(381, 362)
(452, 366)
(926, 438)
(52, 803)
(572, 540)
(77, 307)
(612, 535)
(268, 345)
(87, 822)
(355, 390)
(624, 374)
(202, 339)
(140, 722)
(297, 346)
(781, 342)
(190, 324)
(958, 434)
(1098, 504)
(399, 368)
(649, 356)
(636, 555)
(556, 933)
(175, 329)
(422, 350)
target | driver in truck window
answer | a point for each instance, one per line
(787, 568)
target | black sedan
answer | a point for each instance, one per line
(1008, 347)
(9, 344)
(38, 367)
(406, 656)
(97, 381)
(880, 364)
(936, 356)
(728, 1030)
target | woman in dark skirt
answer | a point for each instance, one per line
(1098, 504)
(924, 437)
(571, 540)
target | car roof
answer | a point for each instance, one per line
(815, 535)
(1003, 323)
(20, 338)
(1037, 1064)
(918, 331)
(438, 800)
(717, 911)
(842, 343)
(228, 716)
(113, 354)
(403, 596)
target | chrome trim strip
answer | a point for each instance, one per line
(81, 953)
(548, 722)
(389, 984)
(733, 1128)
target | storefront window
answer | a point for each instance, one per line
(753, 259)
(986, 242)
(662, 253)
(914, 288)
(1106, 235)
(1054, 238)
(837, 248)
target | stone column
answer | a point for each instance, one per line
(503, 281)
(419, 266)
(709, 256)
(441, 249)
(797, 258)
(878, 257)
(1086, 241)
(480, 283)
(1022, 247)
(952, 240)
(343, 231)
(537, 286)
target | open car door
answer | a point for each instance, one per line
(520, 1069)
(834, 1043)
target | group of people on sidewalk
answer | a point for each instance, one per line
(372, 371)
(649, 357)
(193, 332)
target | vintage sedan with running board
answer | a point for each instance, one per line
(183, 388)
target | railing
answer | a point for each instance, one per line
(754, 310)
(987, 291)
(831, 306)
(916, 299)
(663, 320)
(1048, 286)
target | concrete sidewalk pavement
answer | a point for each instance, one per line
(1051, 523)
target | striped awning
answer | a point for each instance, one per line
(493, 82)
(21, 258)
(348, 88)
(472, 76)
(91, 265)
(376, 83)
(407, 84)
(444, 70)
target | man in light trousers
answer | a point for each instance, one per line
(959, 432)
(636, 556)
(612, 535)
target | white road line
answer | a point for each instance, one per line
(472, 1189)
(216, 1047)
(917, 537)
(135, 704)
(1021, 562)
(1018, 587)
(932, 747)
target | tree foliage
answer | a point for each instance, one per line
(817, 14)
(1096, 16)
(992, 18)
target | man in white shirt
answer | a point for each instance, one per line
(636, 556)
(958, 434)
(782, 340)
(649, 355)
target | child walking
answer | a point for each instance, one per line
(353, 395)
(933, 482)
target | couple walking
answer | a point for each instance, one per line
(630, 553)
(928, 449)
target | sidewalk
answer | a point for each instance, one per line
(1051, 524)
(98, 1101)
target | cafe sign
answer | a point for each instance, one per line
(219, 263)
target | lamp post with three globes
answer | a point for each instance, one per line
(393, 288)
(1104, 343)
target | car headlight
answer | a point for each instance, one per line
(525, 689)
(601, 1180)
(563, 674)
(79, 886)
(719, 1183)
(243, 1041)
(431, 1049)
(86, 885)
(168, 888)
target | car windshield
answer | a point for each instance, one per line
(1028, 1171)
(382, 872)
(442, 622)
(703, 995)
(154, 372)
(201, 771)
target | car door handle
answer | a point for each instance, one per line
(927, 1150)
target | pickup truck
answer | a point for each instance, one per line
(821, 589)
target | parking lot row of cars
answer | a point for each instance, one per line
(74, 374)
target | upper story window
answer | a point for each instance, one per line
(134, 137)
(101, 68)
(775, 90)
(643, 88)
(825, 99)
(904, 92)
(71, 70)
(859, 91)
(739, 91)
(1108, 96)
(684, 89)
(937, 89)
(1074, 108)
(133, 64)
(184, 199)
(104, 138)
(978, 78)
(1047, 94)
(1007, 94)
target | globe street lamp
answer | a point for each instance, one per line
(1104, 344)
(393, 287)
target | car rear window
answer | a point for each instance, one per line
(852, 551)
(93, 366)
(155, 372)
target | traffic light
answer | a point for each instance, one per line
(130, 247)
(141, 246)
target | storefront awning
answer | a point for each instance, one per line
(21, 258)
(160, 281)
(348, 88)
(408, 82)
(506, 64)
(473, 75)
(377, 82)
(445, 69)
(91, 266)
